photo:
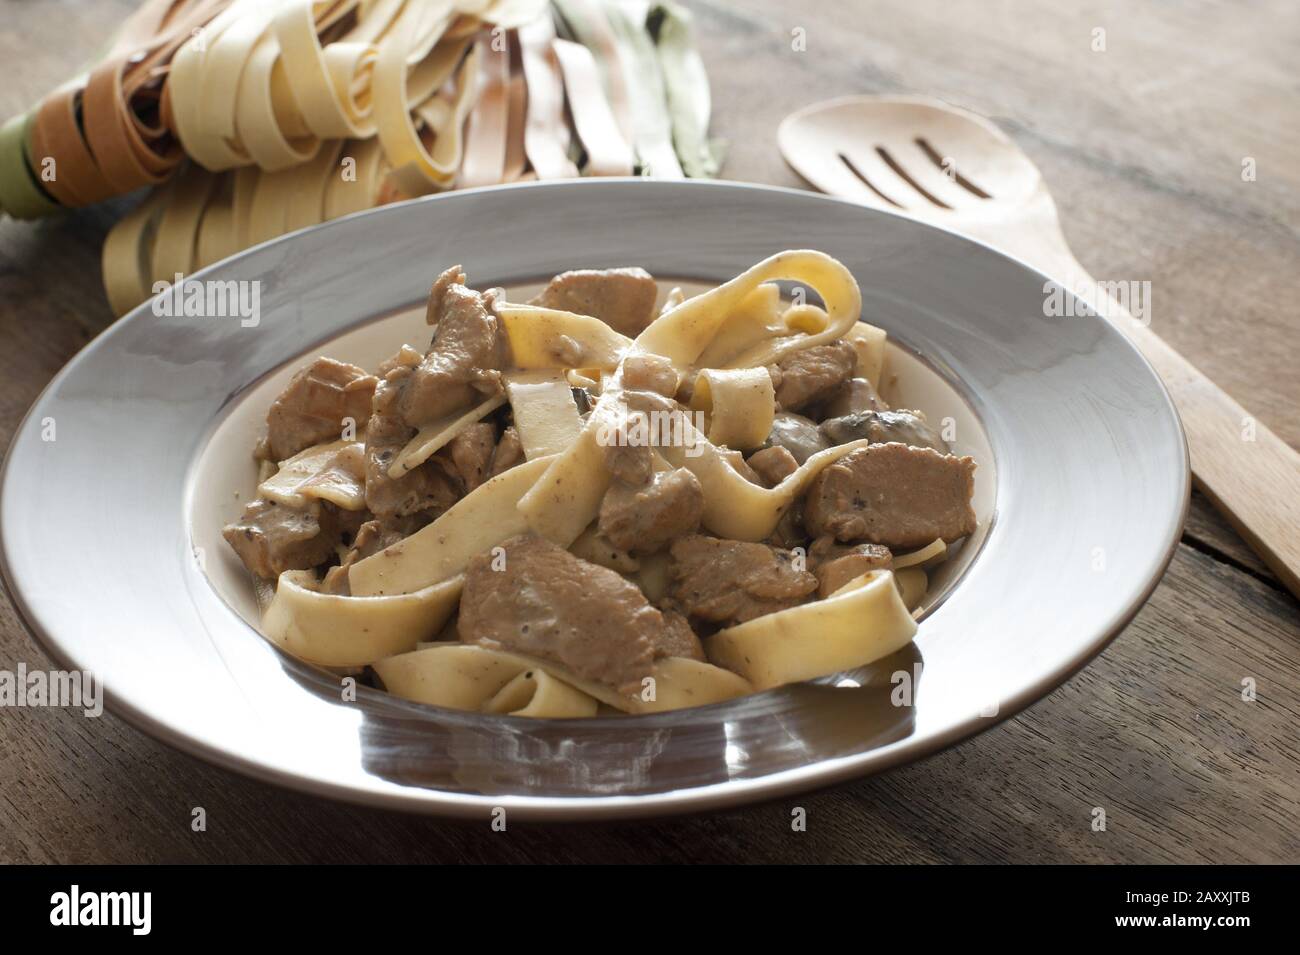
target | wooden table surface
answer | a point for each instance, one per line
(1142, 145)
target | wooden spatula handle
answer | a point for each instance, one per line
(1250, 474)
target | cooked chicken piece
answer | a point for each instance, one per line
(547, 603)
(434, 305)
(271, 538)
(314, 406)
(811, 375)
(665, 423)
(651, 403)
(679, 639)
(386, 435)
(594, 546)
(797, 434)
(882, 427)
(650, 373)
(642, 519)
(895, 495)
(626, 446)
(632, 464)
(624, 299)
(835, 564)
(463, 360)
(741, 466)
(726, 582)
(686, 390)
(789, 531)
(470, 453)
(406, 357)
(773, 464)
(460, 366)
(854, 395)
(427, 487)
(509, 452)
(372, 537)
(344, 525)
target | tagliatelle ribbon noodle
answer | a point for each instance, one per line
(589, 27)
(740, 403)
(545, 415)
(686, 85)
(331, 84)
(20, 195)
(550, 338)
(864, 620)
(428, 95)
(203, 88)
(268, 210)
(223, 103)
(306, 204)
(516, 157)
(175, 234)
(538, 694)
(261, 104)
(756, 318)
(124, 261)
(419, 27)
(257, 82)
(334, 472)
(652, 130)
(357, 189)
(330, 630)
(546, 135)
(264, 86)
(869, 342)
(683, 333)
(99, 135)
(244, 184)
(242, 208)
(487, 136)
(468, 677)
(129, 152)
(216, 238)
(608, 153)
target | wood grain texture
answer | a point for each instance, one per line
(1141, 147)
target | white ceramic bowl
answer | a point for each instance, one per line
(110, 537)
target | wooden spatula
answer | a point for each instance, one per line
(929, 160)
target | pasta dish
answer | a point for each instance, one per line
(599, 502)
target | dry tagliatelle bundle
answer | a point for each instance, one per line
(258, 117)
(102, 133)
